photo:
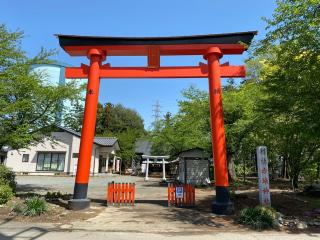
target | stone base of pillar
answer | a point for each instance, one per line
(78, 204)
(222, 204)
(80, 200)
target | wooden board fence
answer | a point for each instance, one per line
(121, 193)
(188, 199)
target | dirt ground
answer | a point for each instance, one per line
(151, 213)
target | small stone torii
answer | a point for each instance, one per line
(163, 162)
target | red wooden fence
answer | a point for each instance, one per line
(121, 193)
(188, 199)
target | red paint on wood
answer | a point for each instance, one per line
(162, 72)
(121, 193)
(89, 120)
(216, 113)
(188, 199)
(164, 50)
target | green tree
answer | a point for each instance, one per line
(167, 137)
(121, 122)
(189, 128)
(277, 105)
(290, 54)
(29, 105)
(73, 116)
(240, 123)
(117, 118)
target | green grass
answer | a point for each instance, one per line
(35, 206)
(258, 217)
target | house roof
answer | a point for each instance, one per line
(143, 147)
(193, 152)
(101, 141)
(105, 141)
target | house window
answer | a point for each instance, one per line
(50, 161)
(25, 157)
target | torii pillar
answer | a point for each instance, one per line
(80, 200)
(222, 203)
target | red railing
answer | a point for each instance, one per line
(187, 199)
(121, 193)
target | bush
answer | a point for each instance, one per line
(8, 177)
(249, 170)
(31, 195)
(35, 206)
(6, 194)
(19, 208)
(259, 217)
(53, 196)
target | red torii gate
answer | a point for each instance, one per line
(211, 47)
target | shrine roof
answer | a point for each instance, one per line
(223, 38)
(77, 45)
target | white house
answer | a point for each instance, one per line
(59, 153)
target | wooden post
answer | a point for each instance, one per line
(222, 203)
(80, 200)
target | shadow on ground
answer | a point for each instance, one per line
(194, 216)
(153, 184)
(30, 233)
(31, 188)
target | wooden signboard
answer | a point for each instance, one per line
(263, 174)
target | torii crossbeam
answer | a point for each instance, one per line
(211, 47)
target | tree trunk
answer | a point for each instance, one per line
(244, 170)
(231, 168)
(283, 170)
(256, 163)
(295, 182)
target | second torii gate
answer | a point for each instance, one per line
(211, 47)
(155, 160)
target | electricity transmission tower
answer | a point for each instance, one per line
(156, 113)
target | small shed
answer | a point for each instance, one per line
(194, 166)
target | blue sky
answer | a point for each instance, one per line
(40, 20)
